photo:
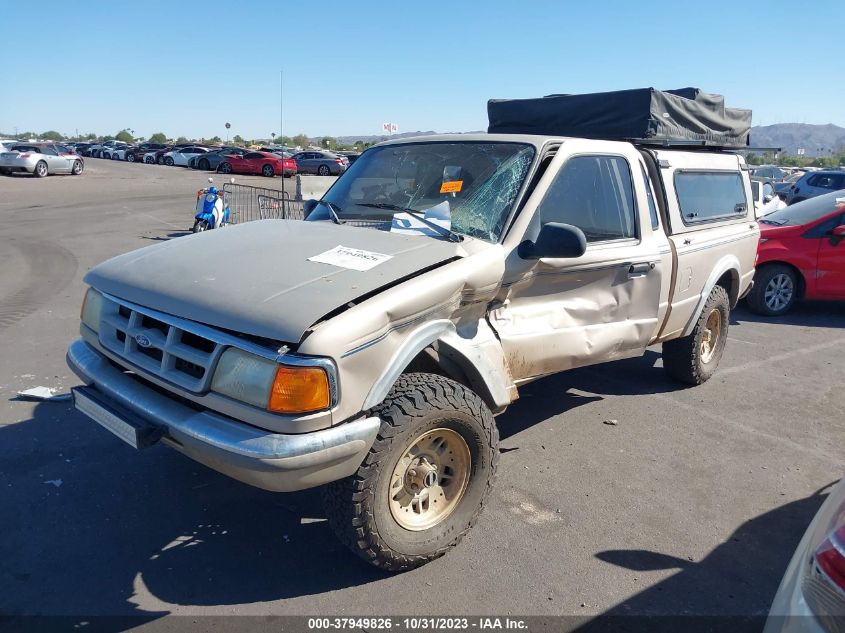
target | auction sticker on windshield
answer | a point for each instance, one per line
(351, 258)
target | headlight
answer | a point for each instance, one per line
(245, 377)
(92, 308)
(277, 388)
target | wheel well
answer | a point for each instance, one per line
(730, 282)
(430, 362)
(802, 283)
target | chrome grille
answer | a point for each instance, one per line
(157, 346)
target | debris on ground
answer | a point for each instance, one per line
(611, 422)
(42, 394)
(55, 482)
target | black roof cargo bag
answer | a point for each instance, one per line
(686, 116)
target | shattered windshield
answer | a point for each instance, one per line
(479, 181)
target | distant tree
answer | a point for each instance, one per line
(300, 140)
(329, 142)
(158, 137)
(90, 136)
(52, 135)
(107, 138)
(181, 139)
(238, 140)
(215, 140)
(284, 140)
(125, 136)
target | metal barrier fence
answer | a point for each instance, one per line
(247, 203)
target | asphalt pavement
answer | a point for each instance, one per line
(692, 503)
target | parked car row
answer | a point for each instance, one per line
(267, 161)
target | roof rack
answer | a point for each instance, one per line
(686, 117)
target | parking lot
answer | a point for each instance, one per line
(692, 503)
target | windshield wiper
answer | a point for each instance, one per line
(420, 215)
(334, 210)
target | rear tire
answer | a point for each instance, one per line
(204, 164)
(438, 442)
(267, 171)
(324, 170)
(168, 160)
(160, 160)
(775, 290)
(130, 158)
(149, 160)
(40, 169)
(5, 171)
(693, 359)
(77, 167)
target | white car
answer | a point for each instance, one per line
(181, 156)
(765, 199)
(811, 596)
(150, 158)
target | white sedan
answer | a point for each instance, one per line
(182, 156)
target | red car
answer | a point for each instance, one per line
(801, 255)
(262, 163)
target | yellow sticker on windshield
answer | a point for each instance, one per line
(453, 186)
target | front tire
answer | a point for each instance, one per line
(438, 444)
(77, 167)
(225, 168)
(200, 226)
(775, 290)
(168, 160)
(693, 359)
(204, 164)
(40, 169)
(130, 158)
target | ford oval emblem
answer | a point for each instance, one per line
(142, 340)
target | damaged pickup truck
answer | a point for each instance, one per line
(368, 347)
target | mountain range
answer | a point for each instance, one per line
(815, 140)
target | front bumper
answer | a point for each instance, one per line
(272, 461)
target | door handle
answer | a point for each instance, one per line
(640, 269)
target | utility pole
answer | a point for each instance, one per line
(281, 128)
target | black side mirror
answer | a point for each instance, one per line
(309, 205)
(556, 240)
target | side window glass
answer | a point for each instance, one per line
(49, 150)
(595, 194)
(710, 196)
(652, 206)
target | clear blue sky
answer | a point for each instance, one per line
(425, 65)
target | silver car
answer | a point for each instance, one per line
(811, 597)
(320, 163)
(41, 159)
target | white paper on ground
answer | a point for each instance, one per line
(42, 393)
(407, 224)
(351, 258)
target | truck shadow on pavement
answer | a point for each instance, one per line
(98, 528)
(829, 314)
(735, 583)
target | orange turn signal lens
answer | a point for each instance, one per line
(299, 390)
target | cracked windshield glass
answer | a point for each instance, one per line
(473, 185)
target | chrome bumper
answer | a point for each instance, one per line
(261, 458)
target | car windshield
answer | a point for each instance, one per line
(479, 180)
(806, 211)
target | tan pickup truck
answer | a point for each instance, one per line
(369, 346)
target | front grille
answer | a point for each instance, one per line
(158, 347)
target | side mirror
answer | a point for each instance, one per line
(556, 240)
(767, 199)
(838, 231)
(309, 205)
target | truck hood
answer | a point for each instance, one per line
(255, 278)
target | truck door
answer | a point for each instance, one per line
(555, 314)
